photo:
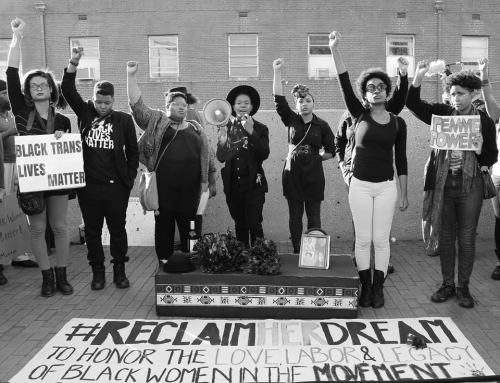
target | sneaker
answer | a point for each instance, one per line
(390, 269)
(443, 293)
(464, 297)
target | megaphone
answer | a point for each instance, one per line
(217, 112)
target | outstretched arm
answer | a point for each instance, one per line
(14, 58)
(351, 101)
(397, 101)
(277, 85)
(133, 91)
(491, 105)
(68, 86)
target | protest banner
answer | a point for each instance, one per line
(182, 351)
(46, 163)
(14, 231)
(455, 132)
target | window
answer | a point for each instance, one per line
(4, 51)
(163, 56)
(473, 48)
(90, 67)
(320, 63)
(400, 46)
(243, 55)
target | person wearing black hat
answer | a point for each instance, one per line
(243, 145)
(303, 177)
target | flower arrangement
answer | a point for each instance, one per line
(263, 258)
(219, 252)
(216, 253)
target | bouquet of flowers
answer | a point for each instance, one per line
(217, 252)
(263, 258)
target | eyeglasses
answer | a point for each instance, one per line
(372, 88)
(43, 86)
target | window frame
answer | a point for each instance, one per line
(87, 62)
(391, 59)
(171, 74)
(468, 63)
(313, 66)
(256, 56)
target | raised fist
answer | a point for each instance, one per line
(483, 64)
(17, 26)
(422, 68)
(334, 39)
(278, 63)
(76, 53)
(132, 67)
(403, 65)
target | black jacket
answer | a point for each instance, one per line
(258, 151)
(124, 136)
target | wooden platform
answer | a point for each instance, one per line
(296, 293)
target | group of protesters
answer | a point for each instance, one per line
(369, 142)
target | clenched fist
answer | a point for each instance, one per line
(132, 67)
(278, 63)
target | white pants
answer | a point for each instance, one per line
(372, 207)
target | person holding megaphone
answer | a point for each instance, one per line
(243, 145)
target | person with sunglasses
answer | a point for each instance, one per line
(453, 190)
(373, 191)
(37, 104)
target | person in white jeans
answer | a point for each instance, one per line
(372, 207)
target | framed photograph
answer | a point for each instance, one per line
(315, 251)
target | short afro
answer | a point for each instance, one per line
(367, 75)
(465, 78)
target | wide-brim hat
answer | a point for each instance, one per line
(250, 92)
(179, 262)
(190, 98)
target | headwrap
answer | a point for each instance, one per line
(301, 91)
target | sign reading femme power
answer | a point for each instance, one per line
(46, 163)
(182, 351)
(455, 132)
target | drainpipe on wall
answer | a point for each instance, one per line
(42, 8)
(439, 6)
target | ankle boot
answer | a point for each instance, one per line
(378, 289)
(98, 277)
(119, 277)
(3, 280)
(62, 283)
(48, 283)
(365, 277)
(496, 271)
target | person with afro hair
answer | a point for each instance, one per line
(373, 190)
(453, 189)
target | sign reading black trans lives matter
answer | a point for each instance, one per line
(46, 163)
(205, 351)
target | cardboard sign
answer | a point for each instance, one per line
(14, 231)
(455, 132)
(46, 163)
(182, 351)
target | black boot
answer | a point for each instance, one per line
(48, 283)
(119, 277)
(62, 283)
(365, 277)
(496, 271)
(98, 277)
(3, 280)
(378, 289)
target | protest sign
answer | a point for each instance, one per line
(455, 132)
(46, 163)
(14, 231)
(182, 351)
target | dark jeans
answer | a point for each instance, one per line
(246, 210)
(165, 231)
(459, 221)
(99, 202)
(296, 211)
